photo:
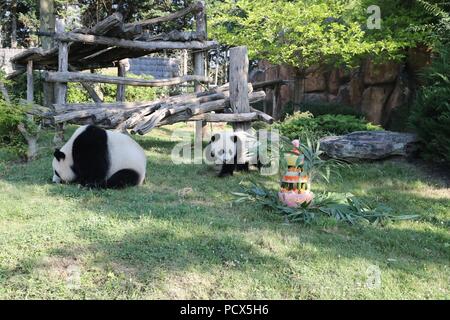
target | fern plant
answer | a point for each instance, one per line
(342, 207)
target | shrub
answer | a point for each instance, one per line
(304, 124)
(11, 139)
(430, 115)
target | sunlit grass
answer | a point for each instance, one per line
(179, 236)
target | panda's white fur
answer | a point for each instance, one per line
(232, 151)
(121, 160)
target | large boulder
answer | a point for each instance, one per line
(369, 145)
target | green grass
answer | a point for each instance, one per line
(179, 237)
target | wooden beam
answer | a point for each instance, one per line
(121, 72)
(195, 7)
(262, 116)
(93, 77)
(174, 35)
(133, 44)
(89, 88)
(30, 82)
(269, 84)
(239, 84)
(199, 69)
(61, 87)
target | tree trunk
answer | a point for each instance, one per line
(14, 24)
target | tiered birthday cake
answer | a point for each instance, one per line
(294, 183)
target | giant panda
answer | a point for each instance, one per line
(232, 151)
(95, 157)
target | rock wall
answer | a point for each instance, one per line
(374, 89)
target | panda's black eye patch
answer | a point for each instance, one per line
(59, 155)
(215, 137)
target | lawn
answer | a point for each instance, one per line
(179, 236)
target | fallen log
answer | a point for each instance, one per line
(146, 124)
(35, 109)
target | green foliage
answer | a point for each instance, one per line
(312, 162)
(430, 115)
(303, 125)
(11, 139)
(342, 207)
(307, 32)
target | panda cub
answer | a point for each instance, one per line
(95, 157)
(233, 151)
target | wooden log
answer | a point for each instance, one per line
(210, 117)
(30, 82)
(89, 88)
(88, 77)
(121, 72)
(262, 116)
(239, 83)
(37, 110)
(61, 88)
(217, 105)
(16, 73)
(174, 35)
(195, 7)
(134, 44)
(112, 22)
(269, 84)
(199, 69)
(276, 111)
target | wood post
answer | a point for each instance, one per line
(30, 83)
(121, 72)
(239, 84)
(47, 24)
(276, 102)
(199, 69)
(61, 88)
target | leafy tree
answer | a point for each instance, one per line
(303, 33)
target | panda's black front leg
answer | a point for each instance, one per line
(242, 167)
(227, 169)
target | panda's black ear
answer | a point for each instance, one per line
(59, 155)
(215, 137)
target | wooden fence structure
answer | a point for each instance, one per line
(109, 42)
